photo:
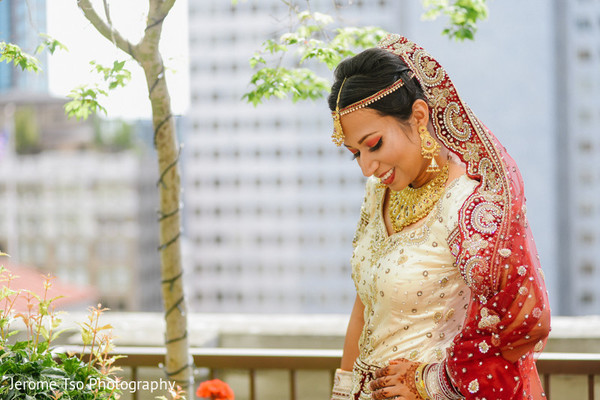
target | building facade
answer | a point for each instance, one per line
(74, 215)
(271, 204)
(83, 214)
(507, 76)
(73, 205)
(578, 120)
(21, 23)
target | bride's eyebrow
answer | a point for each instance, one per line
(366, 136)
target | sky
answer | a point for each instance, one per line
(69, 69)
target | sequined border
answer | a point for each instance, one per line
(458, 128)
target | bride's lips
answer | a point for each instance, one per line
(388, 177)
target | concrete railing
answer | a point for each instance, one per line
(219, 360)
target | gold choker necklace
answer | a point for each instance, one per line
(409, 205)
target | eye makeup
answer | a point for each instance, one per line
(372, 142)
(376, 145)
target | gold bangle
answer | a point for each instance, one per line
(420, 381)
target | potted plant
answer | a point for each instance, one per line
(32, 369)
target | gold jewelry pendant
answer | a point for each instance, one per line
(409, 205)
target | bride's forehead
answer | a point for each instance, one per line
(363, 121)
(361, 118)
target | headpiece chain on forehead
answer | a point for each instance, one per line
(338, 133)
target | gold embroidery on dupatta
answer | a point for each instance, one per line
(474, 266)
(401, 48)
(458, 128)
(455, 123)
(492, 183)
(426, 68)
(488, 319)
(472, 152)
(440, 97)
(505, 252)
(484, 217)
(475, 243)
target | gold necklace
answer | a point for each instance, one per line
(409, 205)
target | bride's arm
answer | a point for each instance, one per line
(355, 327)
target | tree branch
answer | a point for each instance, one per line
(157, 12)
(105, 30)
(166, 7)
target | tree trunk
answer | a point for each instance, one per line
(178, 363)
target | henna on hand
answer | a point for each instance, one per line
(381, 394)
(397, 380)
(410, 380)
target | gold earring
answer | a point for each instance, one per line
(429, 148)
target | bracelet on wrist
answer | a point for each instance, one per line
(420, 381)
(437, 383)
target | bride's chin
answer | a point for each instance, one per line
(396, 187)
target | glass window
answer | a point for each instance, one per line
(587, 297)
(585, 146)
(587, 268)
(584, 55)
(586, 209)
(588, 238)
(583, 23)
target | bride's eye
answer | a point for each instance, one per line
(377, 145)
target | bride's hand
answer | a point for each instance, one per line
(396, 381)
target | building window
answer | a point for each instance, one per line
(587, 238)
(587, 268)
(584, 55)
(586, 209)
(586, 178)
(585, 116)
(587, 297)
(585, 146)
(583, 24)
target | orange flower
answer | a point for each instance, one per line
(215, 389)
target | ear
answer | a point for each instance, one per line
(420, 113)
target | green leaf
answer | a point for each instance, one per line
(118, 66)
(308, 43)
(20, 345)
(300, 83)
(11, 53)
(84, 102)
(45, 334)
(257, 59)
(54, 373)
(56, 334)
(463, 16)
(86, 337)
(50, 43)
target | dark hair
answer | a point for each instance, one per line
(371, 71)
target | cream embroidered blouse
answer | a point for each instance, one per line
(415, 298)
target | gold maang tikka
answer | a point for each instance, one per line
(430, 148)
(338, 133)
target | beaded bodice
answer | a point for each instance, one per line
(415, 298)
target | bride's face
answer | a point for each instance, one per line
(386, 148)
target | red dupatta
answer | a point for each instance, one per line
(508, 317)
